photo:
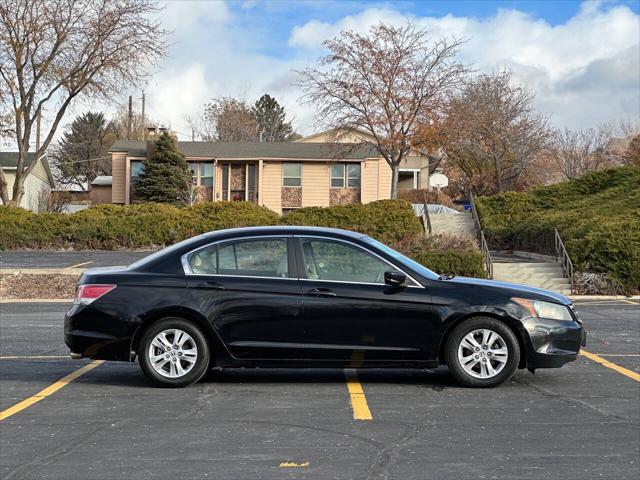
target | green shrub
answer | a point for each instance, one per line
(112, 227)
(597, 215)
(388, 221)
(445, 254)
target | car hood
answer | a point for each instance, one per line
(514, 288)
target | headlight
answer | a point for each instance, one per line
(549, 310)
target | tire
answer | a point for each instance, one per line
(484, 366)
(171, 366)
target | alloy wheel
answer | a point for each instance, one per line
(483, 353)
(173, 353)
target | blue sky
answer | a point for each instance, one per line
(582, 59)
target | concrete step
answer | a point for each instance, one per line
(460, 224)
(548, 275)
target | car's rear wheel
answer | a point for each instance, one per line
(482, 352)
(173, 352)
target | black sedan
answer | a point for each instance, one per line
(312, 297)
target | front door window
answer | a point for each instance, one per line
(341, 262)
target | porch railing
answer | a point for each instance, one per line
(563, 257)
(482, 241)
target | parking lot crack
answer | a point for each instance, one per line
(572, 400)
(27, 469)
(387, 454)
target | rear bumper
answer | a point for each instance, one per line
(85, 341)
(553, 342)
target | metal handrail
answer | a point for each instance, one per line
(482, 241)
(565, 260)
(425, 214)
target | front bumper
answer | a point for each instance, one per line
(553, 342)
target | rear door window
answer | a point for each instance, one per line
(248, 258)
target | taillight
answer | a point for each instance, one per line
(85, 294)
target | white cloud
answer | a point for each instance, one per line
(584, 71)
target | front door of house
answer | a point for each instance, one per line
(239, 182)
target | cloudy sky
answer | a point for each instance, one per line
(581, 58)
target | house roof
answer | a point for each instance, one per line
(279, 150)
(106, 180)
(10, 159)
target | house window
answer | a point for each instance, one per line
(202, 176)
(345, 175)
(136, 168)
(291, 174)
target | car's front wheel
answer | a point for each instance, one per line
(173, 352)
(482, 352)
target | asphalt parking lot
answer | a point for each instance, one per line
(25, 259)
(581, 421)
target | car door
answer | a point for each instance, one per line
(249, 290)
(350, 314)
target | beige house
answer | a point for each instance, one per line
(319, 170)
(415, 169)
(38, 183)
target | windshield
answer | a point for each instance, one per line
(417, 267)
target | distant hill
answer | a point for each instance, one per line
(597, 215)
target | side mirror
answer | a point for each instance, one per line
(395, 279)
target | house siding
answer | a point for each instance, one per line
(36, 183)
(272, 185)
(119, 178)
(384, 180)
(315, 184)
(369, 180)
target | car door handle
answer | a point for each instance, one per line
(321, 292)
(211, 286)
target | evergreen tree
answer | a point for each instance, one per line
(166, 177)
(270, 117)
(82, 153)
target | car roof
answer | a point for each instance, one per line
(283, 230)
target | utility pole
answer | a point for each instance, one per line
(193, 135)
(130, 118)
(144, 126)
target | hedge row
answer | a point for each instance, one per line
(445, 254)
(149, 225)
(597, 215)
(386, 220)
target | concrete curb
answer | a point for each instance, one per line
(36, 300)
(603, 297)
(42, 271)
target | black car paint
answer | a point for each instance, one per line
(299, 322)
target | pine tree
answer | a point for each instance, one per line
(270, 117)
(82, 153)
(166, 177)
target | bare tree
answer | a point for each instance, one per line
(492, 132)
(226, 119)
(54, 51)
(139, 124)
(386, 82)
(578, 152)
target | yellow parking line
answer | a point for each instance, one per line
(618, 354)
(606, 363)
(631, 302)
(79, 265)
(51, 389)
(35, 357)
(358, 400)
